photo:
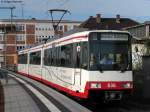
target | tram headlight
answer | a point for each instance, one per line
(95, 85)
(127, 85)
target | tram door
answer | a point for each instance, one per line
(77, 70)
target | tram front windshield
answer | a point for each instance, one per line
(109, 51)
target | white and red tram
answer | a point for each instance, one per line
(90, 64)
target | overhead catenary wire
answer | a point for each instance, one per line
(55, 26)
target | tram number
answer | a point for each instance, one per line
(111, 85)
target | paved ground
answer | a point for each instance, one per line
(16, 98)
(21, 94)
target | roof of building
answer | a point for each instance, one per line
(34, 20)
(139, 25)
(108, 23)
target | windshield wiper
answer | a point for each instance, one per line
(123, 68)
(100, 68)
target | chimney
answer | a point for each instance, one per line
(33, 18)
(117, 18)
(98, 18)
(91, 17)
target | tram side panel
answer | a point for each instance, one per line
(81, 81)
(60, 77)
(35, 71)
(35, 64)
(58, 67)
(23, 68)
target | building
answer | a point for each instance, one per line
(141, 31)
(140, 43)
(7, 52)
(100, 23)
(28, 32)
(141, 35)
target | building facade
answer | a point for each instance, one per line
(140, 43)
(141, 31)
(26, 33)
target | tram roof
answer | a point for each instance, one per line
(79, 33)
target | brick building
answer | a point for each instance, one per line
(26, 33)
(7, 53)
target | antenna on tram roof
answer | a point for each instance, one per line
(56, 23)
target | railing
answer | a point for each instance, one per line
(11, 67)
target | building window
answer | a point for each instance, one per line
(70, 27)
(75, 26)
(20, 37)
(39, 38)
(20, 47)
(60, 28)
(20, 27)
(1, 37)
(35, 58)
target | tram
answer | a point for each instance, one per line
(93, 64)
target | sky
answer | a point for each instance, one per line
(138, 10)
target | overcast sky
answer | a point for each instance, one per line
(82, 9)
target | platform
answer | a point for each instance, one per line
(15, 98)
(21, 94)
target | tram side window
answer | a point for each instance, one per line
(66, 55)
(35, 58)
(22, 59)
(84, 58)
(47, 57)
(53, 57)
(58, 56)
